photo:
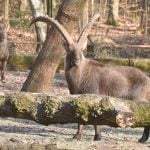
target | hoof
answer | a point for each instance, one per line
(97, 137)
(142, 140)
(145, 135)
(77, 137)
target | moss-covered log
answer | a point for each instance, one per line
(9, 146)
(88, 109)
(20, 62)
(142, 64)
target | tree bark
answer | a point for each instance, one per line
(50, 8)
(87, 109)
(37, 8)
(84, 19)
(43, 71)
(6, 12)
(113, 12)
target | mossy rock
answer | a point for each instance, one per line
(143, 64)
(61, 65)
(23, 63)
(20, 63)
(116, 61)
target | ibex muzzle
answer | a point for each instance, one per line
(85, 75)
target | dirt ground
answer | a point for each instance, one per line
(19, 131)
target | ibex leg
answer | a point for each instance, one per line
(3, 70)
(97, 135)
(79, 133)
(145, 135)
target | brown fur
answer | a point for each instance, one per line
(118, 81)
(4, 53)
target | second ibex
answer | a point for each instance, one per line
(4, 53)
(85, 75)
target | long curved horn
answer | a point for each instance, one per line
(83, 36)
(56, 24)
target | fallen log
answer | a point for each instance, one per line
(18, 146)
(88, 109)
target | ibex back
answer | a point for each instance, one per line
(85, 75)
(4, 53)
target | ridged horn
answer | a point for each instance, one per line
(85, 32)
(55, 23)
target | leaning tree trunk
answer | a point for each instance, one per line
(43, 71)
(87, 109)
(37, 8)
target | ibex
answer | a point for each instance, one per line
(85, 75)
(4, 53)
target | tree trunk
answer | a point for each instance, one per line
(43, 71)
(113, 12)
(37, 8)
(148, 20)
(84, 17)
(6, 12)
(87, 109)
(146, 17)
(92, 7)
(50, 11)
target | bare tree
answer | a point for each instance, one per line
(113, 12)
(6, 12)
(43, 71)
(37, 8)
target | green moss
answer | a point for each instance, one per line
(52, 105)
(22, 103)
(105, 104)
(20, 63)
(142, 114)
(141, 64)
(124, 62)
(113, 22)
(2, 99)
(95, 110)
(139, 30)
(61, 65)
(23, 63)
(81, 109)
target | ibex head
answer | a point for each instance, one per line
(74, 49)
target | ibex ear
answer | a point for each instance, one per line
(82, 40)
